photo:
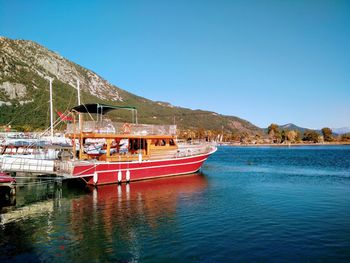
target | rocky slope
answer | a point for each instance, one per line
(25, 67)
(19, 56)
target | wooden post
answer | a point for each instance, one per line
(74, 132)
(108, 151)
(81, 148)
(148, 146)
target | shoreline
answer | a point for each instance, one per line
(283, 144)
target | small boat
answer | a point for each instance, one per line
(6, 178)
(106, 152)
(7, 182)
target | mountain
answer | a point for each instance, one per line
(291, 126)
(24, 93)
(341, 131)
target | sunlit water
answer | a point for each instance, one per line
(250, 204)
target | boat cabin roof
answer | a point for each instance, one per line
(99, 108)
(118, 136)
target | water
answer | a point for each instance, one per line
(250, 204)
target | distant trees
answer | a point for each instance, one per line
(278, 135)
(291, 136)
(311, 136)
(345, 137)
(283, 136)
(298, 137)
(327, 134)
(272, 129)
(294, 136)
(235, 136)
(274, 133)
(200, 133)
(203, 134)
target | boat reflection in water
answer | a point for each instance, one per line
(123, 215)
(155, 197)
(139, 200)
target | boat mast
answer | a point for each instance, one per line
(78, 89)
(51, 108)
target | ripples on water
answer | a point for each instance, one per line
(251, 204)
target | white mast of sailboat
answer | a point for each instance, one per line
(78, 89)
(51, 109)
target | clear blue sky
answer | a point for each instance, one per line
(264, 61)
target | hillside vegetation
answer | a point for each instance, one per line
(25, 67)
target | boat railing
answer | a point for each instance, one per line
(195, 142)
(19, 135)
(194, 147)
(26, 164)
(122, 128)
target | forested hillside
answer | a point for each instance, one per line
(25, 67)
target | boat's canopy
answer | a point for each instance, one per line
(99, 108)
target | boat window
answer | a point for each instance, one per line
(157, 142)
(171, 142)
(136, 144)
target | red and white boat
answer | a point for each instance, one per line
(110, 152)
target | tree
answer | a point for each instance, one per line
(244, 137)
(298, 136)
(200, 133)
(327, 134)
(272, 129)
(291, 135)
(234, 136)
(345, 137)
(274, 133)
(284, 135)
(311, 136)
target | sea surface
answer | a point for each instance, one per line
(248, 204)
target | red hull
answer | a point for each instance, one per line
(5, 178)
(107, 173)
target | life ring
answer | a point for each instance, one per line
(126, 128)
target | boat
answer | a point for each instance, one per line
(7, 182)
(34, 153)
(106, 152)
(5, 178)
